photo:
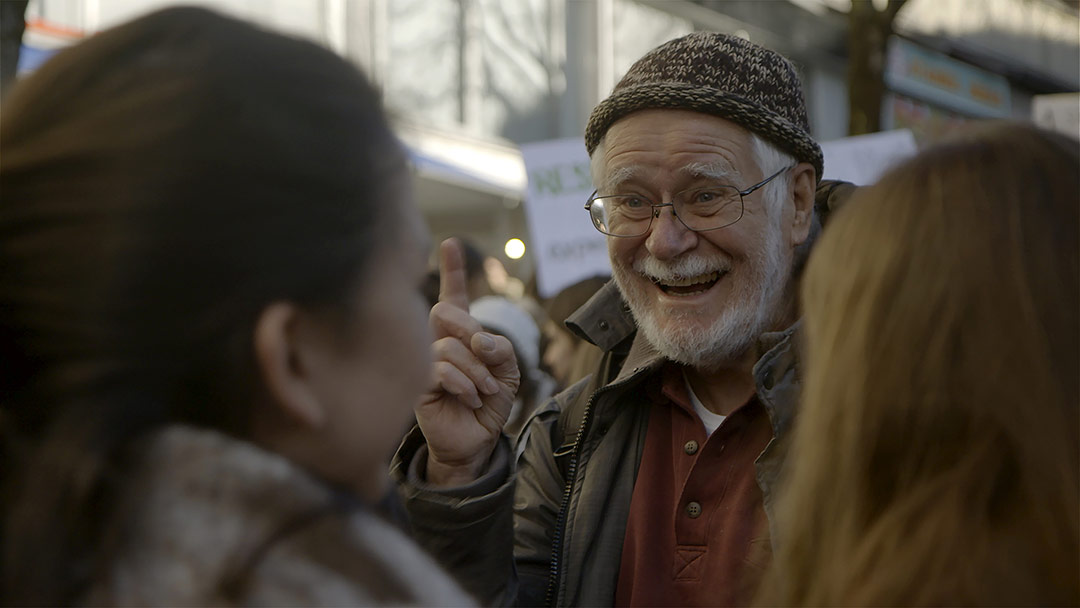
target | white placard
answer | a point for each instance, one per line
(862, 159)
(1059, 112)
(565, 245)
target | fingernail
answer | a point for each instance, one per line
(490, 387)
(486, 342)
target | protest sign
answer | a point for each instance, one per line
(566, 248)
(862, 159)
(1059, 112)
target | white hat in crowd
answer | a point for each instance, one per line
(502, 316)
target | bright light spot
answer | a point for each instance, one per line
(514, 249)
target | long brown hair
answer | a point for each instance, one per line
(936, 456)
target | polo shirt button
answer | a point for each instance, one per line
(693, 509)
(691, 447)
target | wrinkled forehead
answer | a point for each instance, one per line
(655, 144)
(719, 170)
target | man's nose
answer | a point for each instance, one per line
(668, 236)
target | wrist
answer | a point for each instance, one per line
(452, 475)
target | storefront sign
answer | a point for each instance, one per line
(927, 122)
(41, 41)
(565, 246)
(942, 80)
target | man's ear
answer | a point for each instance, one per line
(282, 363)
(804, 186)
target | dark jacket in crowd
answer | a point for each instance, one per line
(545, 524)
(567, 506)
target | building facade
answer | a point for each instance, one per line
(467, 81)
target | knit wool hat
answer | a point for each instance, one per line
(717, 74)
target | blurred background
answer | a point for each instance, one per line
(491, 96)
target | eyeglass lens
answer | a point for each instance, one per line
(703, 209)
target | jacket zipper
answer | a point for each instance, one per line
(571, 477)
(560, 522)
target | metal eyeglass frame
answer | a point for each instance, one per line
(656, 207)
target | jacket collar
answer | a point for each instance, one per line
(605, 321)
(778, 376)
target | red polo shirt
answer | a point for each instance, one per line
(697, 533)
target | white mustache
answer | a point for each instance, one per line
(682, 268)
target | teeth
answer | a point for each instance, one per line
(688, 281)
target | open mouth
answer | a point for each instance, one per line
(688, 286)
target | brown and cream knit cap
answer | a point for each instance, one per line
(717, 74)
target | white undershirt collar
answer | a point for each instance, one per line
(708, 418)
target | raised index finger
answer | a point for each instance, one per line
(452, 285)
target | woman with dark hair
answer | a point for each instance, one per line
(936, 460)
(211, 328)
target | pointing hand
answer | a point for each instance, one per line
(475, 379)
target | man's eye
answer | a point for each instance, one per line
(710, 197)
(629, 202)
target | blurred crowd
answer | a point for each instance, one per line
(229, 374)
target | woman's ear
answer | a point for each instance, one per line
(282, 363)
(804, 186)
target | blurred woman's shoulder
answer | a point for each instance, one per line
(206, 519)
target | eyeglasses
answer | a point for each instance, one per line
(699, 209)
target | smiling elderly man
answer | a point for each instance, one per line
(648, 483)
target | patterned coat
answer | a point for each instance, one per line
(211, 520)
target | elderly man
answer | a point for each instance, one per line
(649, 483)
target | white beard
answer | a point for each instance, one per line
(753, 306)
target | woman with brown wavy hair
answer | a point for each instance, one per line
(936, 459)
